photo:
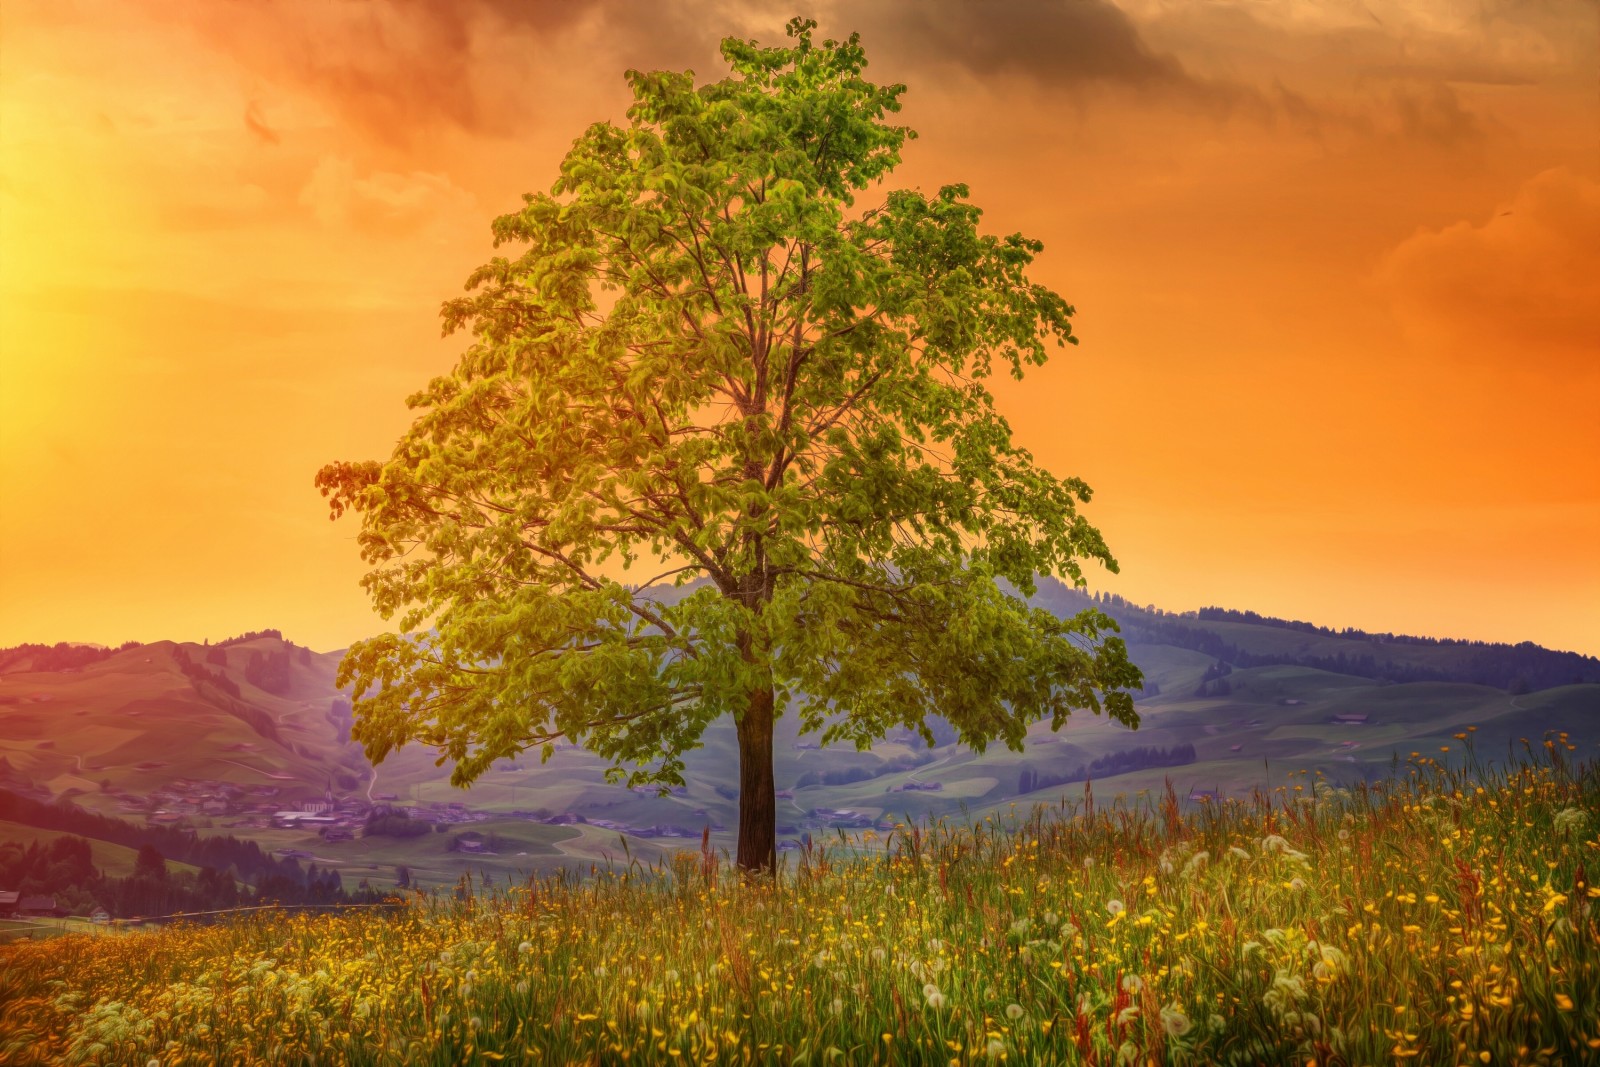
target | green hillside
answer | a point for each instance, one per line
(256, 725)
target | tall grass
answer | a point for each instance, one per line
(1442, 917)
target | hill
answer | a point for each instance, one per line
(220, 739)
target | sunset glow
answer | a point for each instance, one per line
(1336, 270)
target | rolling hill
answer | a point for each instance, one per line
(220, 738)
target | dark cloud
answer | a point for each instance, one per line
(1059, 43)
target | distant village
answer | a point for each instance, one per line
(191, 802)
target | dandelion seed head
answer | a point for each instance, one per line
(1174, 1021)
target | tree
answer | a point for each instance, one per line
(712, 372)
(150, 863)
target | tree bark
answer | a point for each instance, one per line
(758, 811)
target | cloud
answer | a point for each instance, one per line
(383, 202)
(256, 123)
(1058, 43)
(1435, 115)
(1527, 281)
(399, 69)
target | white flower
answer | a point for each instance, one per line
(1174, 1021)
(1051, 918)
(671, 976)
(837, 1006)
(995, 1048)
(1014, 1012)
(1132, 984)
(931, 994)
(878, 954)
(1572, 820)
(1237, 851)
(1115, 906)
(1297, 883)
(526, 948)
(1127, 1015)
(1196, 863)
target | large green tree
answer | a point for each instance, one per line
(722, 444)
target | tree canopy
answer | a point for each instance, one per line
(722, 443)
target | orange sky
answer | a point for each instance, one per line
(1336, 265)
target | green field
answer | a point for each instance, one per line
(1445, 916)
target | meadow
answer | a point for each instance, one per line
(1444, 916)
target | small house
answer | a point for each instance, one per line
(8, 903)
(40, 907)
(471, 841)
(1354, 718)
(99, 915)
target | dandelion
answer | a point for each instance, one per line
(931, 994)
(1174, 1021)
(995, 1048)
(1571, 820)
(1127, 1015)
(1115, 906)
(1237, 851)
(1132, 984)
(1014, 1012)
(526, 948)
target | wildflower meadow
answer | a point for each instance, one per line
(1444, 916)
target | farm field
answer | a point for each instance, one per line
(1443, 916)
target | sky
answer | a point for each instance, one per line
(1336, 268)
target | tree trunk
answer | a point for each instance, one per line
(758, 812)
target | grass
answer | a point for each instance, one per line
(110, 859)
(1441, 917)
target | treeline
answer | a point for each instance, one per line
(1214, 683)
(847, 775)
(1520, 668)
(252, 635)
(269, 671)
(57, 657)
(64, 869)
(391, 822)
(245, 857)
(1108, 766)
